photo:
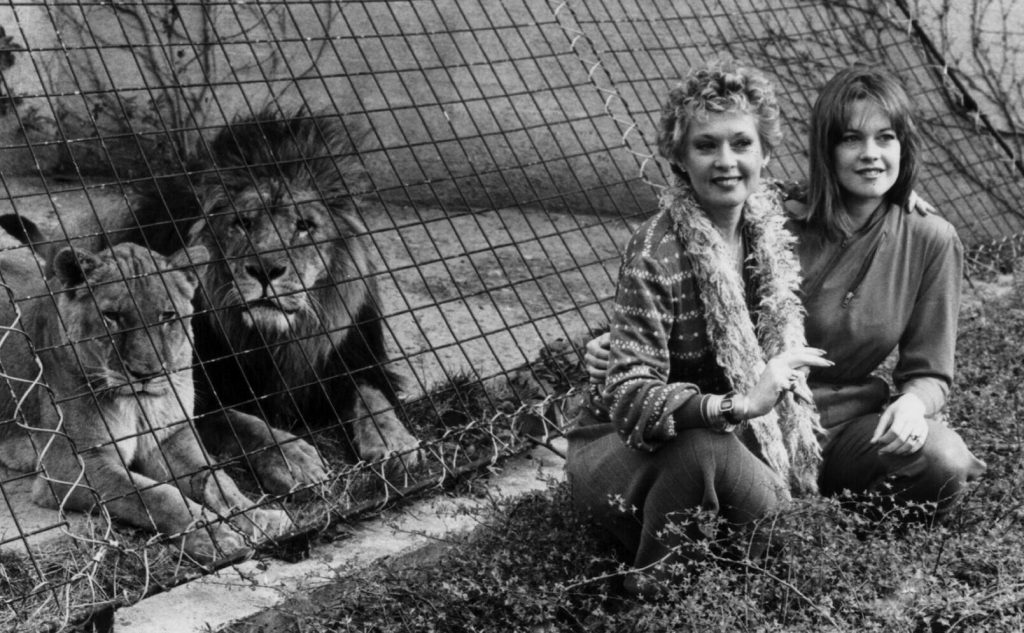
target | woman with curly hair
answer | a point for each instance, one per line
(705, 403)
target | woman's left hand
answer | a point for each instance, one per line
(902, 429)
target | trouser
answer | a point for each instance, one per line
(635, 494)
(936, 473)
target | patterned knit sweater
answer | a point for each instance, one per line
(660, 353)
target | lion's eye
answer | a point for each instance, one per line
(303, 225)
(169, 315)
(242, 222)
(111, 318)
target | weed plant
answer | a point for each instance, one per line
(836, 564)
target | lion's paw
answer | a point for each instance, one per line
(399, 456)
(262, 524)
(213, 542)
(292, 464)
(400, 465)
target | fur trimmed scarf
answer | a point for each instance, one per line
(786, 437)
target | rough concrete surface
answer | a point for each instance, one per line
(256, 586)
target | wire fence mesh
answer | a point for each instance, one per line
(410, 216)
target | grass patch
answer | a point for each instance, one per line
(533, 567)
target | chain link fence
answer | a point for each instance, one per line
(396, 222)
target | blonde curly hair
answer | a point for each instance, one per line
(720, 86)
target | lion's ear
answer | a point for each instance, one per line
(188, 260)
(72, 266)
(189, 257)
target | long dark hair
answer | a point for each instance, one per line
(830, 118)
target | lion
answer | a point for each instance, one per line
(112, 334)
(289, 332)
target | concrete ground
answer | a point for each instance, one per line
(260, 587)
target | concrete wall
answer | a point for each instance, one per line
(489, 92)
(470, 104)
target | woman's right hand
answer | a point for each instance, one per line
(595, 360)
(784, 372)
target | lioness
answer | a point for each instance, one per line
(114, 340)
(290, 330)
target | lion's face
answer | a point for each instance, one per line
(126, 314)
(281, 257)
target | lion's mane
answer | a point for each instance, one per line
(249, 197)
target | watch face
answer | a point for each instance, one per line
(728, 414)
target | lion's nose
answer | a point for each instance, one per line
(264, 272)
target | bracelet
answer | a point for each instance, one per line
(714, 411)
(740, 413)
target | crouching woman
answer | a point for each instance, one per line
(705, 401)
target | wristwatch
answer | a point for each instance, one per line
(727, 410)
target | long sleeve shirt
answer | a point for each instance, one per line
(906, 295)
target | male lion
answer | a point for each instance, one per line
(288, 330)
(112, 331)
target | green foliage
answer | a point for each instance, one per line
(841, 564)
